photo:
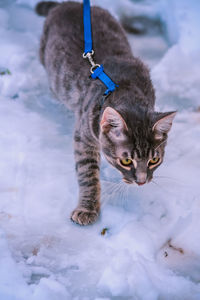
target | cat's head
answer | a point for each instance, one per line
(134, 144)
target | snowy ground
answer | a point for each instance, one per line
(151, 250)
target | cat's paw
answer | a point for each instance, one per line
(83, 216)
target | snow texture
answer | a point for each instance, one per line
(150, 249)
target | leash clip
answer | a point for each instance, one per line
(89, 55)
(86, 55)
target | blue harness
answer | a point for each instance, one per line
(97, 71)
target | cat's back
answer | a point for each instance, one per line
(64, 30)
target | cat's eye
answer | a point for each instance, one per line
(153, 161)
(126, 162)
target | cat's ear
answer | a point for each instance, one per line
(163, 124)
(113, 122)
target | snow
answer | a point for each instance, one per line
(180, 64)
(151, 247)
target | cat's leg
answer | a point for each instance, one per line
(87, 166)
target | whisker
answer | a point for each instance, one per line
(167, 191)
(115, 192)
(166, 177)
(175, 180)
(161, 187)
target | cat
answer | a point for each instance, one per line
(125, 127)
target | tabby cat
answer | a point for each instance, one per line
(125, 127)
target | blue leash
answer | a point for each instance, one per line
(87, 27)
(97, 71)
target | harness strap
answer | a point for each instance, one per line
(97, 71)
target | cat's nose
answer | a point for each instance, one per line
(141, 178)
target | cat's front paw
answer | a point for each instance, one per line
(83, 216)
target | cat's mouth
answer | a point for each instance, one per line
(141, 183)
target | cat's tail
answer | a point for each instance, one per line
(43, 8)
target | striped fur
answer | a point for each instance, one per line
(126, 126)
